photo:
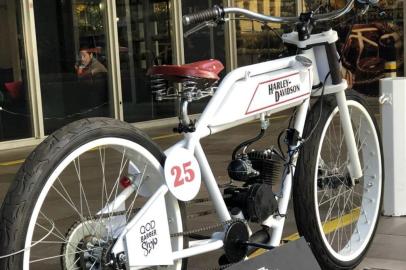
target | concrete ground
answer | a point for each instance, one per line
(388, 248)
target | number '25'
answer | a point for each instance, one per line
(188, 174)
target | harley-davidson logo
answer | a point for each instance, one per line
(282, 88)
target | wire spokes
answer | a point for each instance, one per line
(90, 183)
(341, 205)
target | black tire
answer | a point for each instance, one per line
(29, 182)
(321, 182)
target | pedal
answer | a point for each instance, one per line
(223, 261)
(257, 245)
(262, 236)
(197, 236)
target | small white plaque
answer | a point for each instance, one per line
(277, 91)
(148, 242)
(182, 174)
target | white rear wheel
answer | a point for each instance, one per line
(69, 178)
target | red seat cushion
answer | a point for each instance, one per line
(207, 69)
(14, 89)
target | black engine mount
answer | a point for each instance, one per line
(258, 170)
(257, 201)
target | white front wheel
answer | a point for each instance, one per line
(337, 217)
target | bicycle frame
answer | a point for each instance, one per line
(256, 92)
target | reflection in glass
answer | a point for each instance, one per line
(15, 118)
(145, 40)
(257, 42)
(72, 54)
(371, 46)
(207, 43)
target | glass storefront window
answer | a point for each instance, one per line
(15, 117)
(371, 46)
(72, 55)
(145, 40)
(73, 60)
(257, 42)
(207, 43)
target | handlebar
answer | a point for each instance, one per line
(215, 13)
(218, 13)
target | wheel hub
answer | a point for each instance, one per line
(92, 254)
(333, 179)
(88, 247)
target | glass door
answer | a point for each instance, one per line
(72, 55)
(15, 116)
(144, 31)
(207, 43)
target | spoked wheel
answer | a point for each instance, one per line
(338, 217)
(51, 217)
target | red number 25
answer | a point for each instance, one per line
(188, 174)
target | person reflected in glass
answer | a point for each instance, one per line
(88, 65)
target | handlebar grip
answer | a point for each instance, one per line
(213, 14)
(368, 2)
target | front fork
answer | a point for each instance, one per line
(324, 65)
(354, 166)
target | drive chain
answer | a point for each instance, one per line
(186, 233)
(205, 228)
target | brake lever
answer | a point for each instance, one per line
(199, 27)
(381, 12)
(364, 10)
(365, 5)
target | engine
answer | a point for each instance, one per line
(257, 170)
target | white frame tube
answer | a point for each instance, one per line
(277, 223)
(354, 166)
(211, 185)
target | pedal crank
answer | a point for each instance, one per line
(236, 234)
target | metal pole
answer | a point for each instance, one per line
(33, 78)
(178, 51)
(230, 40)
(114, 58)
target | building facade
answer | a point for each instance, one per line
(43, 86)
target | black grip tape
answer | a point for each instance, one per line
(213, 14)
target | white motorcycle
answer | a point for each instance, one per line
(99, 194)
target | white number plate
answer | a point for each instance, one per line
(182, 174)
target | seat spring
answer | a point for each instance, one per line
(189, 86)
(158, 83)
